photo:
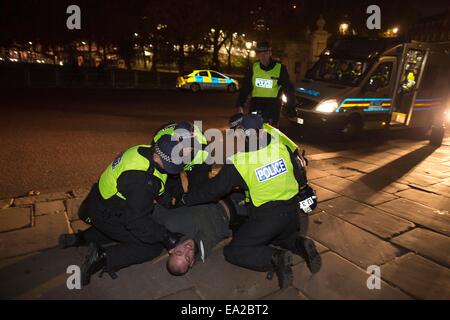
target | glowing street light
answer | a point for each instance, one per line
(395, 30)
(343, 28)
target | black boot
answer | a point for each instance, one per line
(71, 240)
(282, 262)
(95, 261)
(307, 250)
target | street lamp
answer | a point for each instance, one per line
(343, 28)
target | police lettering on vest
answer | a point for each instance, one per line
(271, 170)
(263, 83)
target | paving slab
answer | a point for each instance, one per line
(419, 179)
(379, 183)
(23, 201)
(43, 235)
(72, 207)
(14, 218)
(366, 217)
(359, 166)
(328, 164)
(42, 208)
(441, 189)
(340, 279)
(418, 276)
(434, 173)
(429, 244)
(429, 199)
(33, 275)
(289, 293)
(322, 193)
(351, 242)
(239, 283)
(355, 190)
(43, 276)
(375, 159)
(315, 173)
(419, 214)
(343, 173)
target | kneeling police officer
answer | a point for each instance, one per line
(269, 172)
(119, 208)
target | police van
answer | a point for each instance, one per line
(365, 84)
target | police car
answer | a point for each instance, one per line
(207, 80)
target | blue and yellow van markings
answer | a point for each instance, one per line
(384, 104)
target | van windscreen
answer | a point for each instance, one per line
(347, 72)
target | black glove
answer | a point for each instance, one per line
(171, 240)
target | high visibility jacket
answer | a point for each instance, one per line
(265, 83)
(129, 160)
(268, 173)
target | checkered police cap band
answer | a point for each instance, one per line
(236, 122)
(163, 156)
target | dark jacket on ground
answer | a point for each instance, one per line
(206, 224)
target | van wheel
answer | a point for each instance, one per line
(352, 129)
(195, 87)
(437, 135)
(231, 88)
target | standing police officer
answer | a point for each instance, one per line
(267, 170)
(120, 210)
(263, 82)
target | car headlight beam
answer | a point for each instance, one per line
(328, 106)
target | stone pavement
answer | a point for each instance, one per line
(387, 206)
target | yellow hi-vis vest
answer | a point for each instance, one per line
(200, 156)
(265, 83)
(128, 160)
(268, 173)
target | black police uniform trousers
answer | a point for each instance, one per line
(108, 228)
(267, 108)
(275, 224)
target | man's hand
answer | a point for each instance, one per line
(171, 240)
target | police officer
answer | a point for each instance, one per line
(120, 207)
(235, 122)
(266, 169)
(263, 82)
(196, 167)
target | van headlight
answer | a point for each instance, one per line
(328, 106)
